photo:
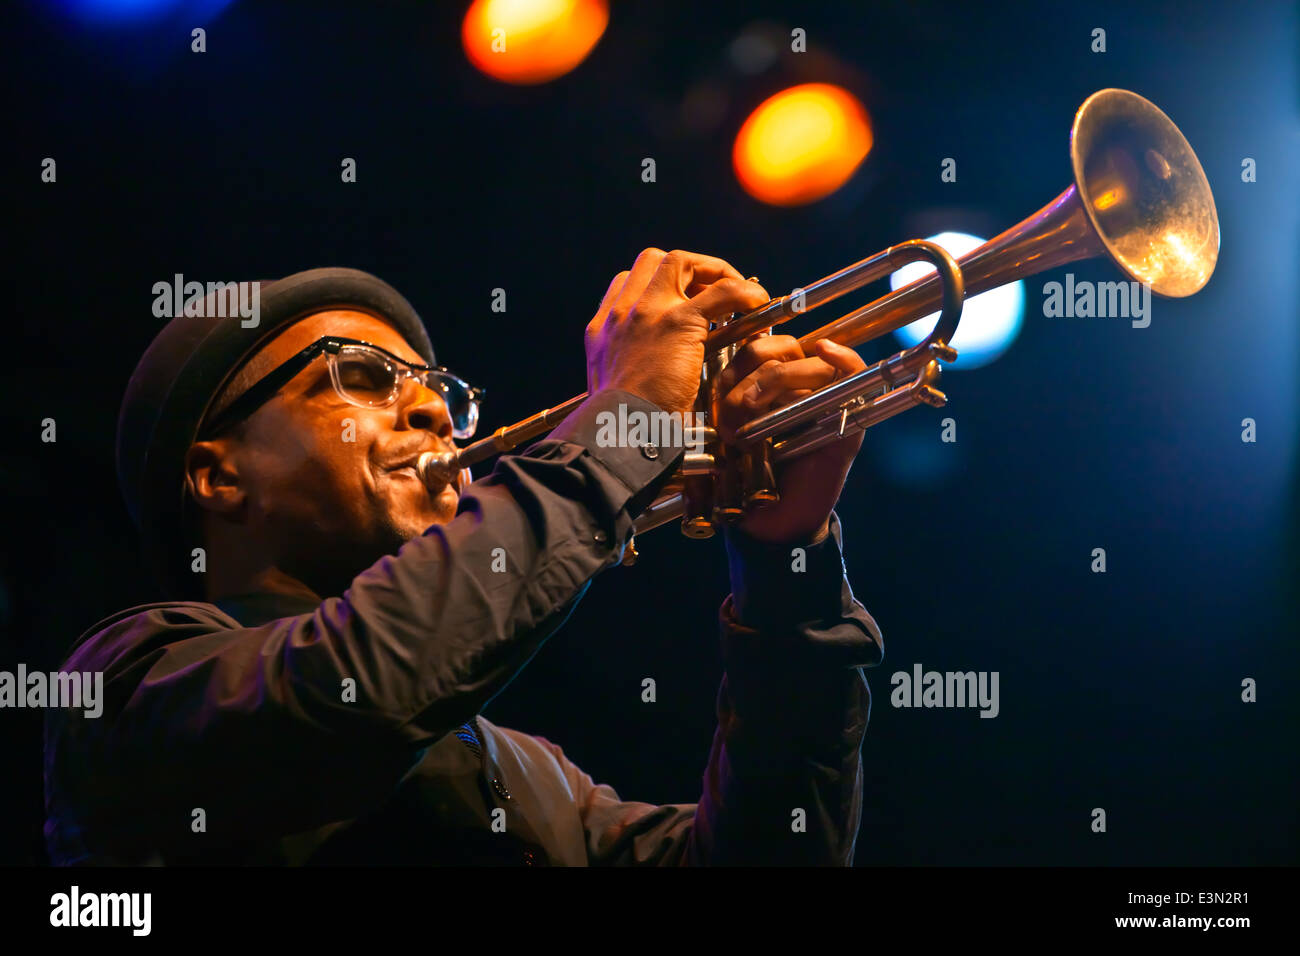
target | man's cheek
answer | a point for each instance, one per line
(323, 484)
(342, 450)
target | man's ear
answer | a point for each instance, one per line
(212, 477)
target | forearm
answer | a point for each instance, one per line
(783, 784)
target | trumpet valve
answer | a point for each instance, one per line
(697, 496)
(728, 507)
(697, 463)
(759, 480)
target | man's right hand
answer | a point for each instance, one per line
(648, 335)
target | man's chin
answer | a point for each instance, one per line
(434, 508)
(443, 504)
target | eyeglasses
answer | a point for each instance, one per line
(364, 375)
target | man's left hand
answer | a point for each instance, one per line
(769, 373)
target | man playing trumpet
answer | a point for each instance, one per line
(312, 690)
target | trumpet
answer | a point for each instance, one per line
(1139, 197)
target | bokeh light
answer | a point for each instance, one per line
(802, 144)
(990, 321)
(532, 41)
(131, 13)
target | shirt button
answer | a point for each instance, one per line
(651, 451)
(500, 788)
(600, 537)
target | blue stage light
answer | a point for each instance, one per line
(127, 12)
(990, 321)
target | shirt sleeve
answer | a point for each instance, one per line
(783, 783)
(315, 717)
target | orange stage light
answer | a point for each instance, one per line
(532, 41)
(802, 144)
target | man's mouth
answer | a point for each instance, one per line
(435, 490)
(409, 464)
(409, 470)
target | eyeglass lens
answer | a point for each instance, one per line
(368, 378)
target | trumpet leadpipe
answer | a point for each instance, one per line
(437, 468)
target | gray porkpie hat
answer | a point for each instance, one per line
(182, 372)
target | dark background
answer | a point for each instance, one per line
(1118, 690)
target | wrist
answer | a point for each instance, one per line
(785, 534)
(775, 584)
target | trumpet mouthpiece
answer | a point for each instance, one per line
(437, 468)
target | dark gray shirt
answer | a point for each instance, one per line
(238, 714)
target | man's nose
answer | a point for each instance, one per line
(419, 406)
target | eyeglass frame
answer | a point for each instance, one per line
(261, 391)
